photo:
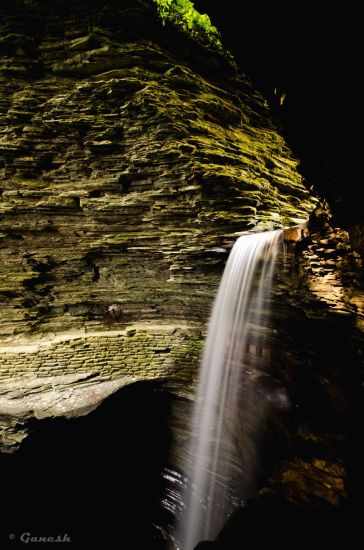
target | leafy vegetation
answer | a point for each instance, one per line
(184, 14)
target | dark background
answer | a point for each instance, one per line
(310, 53)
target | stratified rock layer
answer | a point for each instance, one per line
(125, 176)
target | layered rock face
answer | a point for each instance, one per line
(126, 174)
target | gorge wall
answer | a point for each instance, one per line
(126, 175)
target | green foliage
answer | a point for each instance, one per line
(184, 14)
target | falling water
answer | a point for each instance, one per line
(227, 410)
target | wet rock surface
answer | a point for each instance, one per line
(317, 356)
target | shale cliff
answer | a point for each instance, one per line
(128, 168)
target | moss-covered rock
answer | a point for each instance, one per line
(123, 171)
(129, 163)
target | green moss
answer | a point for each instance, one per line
(183, 14)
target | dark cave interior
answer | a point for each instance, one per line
(97, 480)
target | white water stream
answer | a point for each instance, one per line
(237, 332)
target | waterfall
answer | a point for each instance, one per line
(227, 409)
